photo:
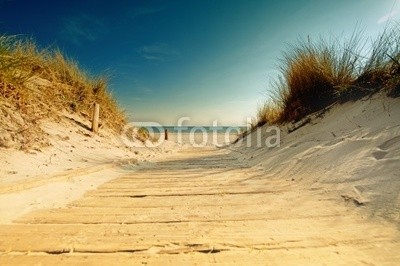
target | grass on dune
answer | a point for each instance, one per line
(43, 80)
(269, 113)
(316, 74)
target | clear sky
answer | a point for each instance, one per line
(203, 59)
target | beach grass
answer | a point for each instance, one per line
(45, 80)
(315, 74)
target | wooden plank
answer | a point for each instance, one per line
(177, 213)
(182, 212)
(332, 255)
(272, 234)
(179, 191)
(174, 201)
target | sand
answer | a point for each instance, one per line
(328, 195)
(352, 151)
(76, 162)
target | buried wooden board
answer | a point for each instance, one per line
(147, 201)
(331, 255)
(178, 213)
(273, 234)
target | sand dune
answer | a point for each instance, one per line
(352, 151)
(328, 195)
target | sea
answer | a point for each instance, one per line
(205, 129)
(198, 135)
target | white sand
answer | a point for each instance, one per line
(353, 151)
(203, 139)
(50, 195)
(328, 195)
(76, 162)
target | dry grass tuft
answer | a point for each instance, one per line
(312, 73)
(270, 113)
(143, 134)
(317, 74)
(39, 82)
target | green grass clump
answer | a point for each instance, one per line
(43, 80)
(316, 74)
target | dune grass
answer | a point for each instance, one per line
(46, 81)
(143, 134)
(269, 113)
(316, 74)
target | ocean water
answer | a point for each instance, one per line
(199, 135)
(201, 129)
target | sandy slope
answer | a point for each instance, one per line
(200, 207)
(328, 195)
(352, 151)
(75, 162)
(73, 146)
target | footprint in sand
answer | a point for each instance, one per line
(389, 143)
(379, 155)
(383, 149)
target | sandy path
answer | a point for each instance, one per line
(200, 206)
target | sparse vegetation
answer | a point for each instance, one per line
(39, 82)
(269, 113)
(143, 134)
(316, 74)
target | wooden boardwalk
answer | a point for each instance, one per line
(200, 207)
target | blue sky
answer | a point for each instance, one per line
(206, 60)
